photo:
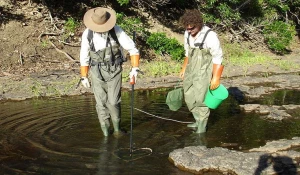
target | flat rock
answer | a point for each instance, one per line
(274, 157)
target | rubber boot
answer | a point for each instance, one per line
(117, 131)
(104, 130)
(194, 125)
(201, 128)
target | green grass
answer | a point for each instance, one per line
(239, 56)
(157, 68)
(161, 68)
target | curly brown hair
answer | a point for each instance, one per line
(191, 17)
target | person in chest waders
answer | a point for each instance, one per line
(101, 56)
(202, 66)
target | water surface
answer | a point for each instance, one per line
(62, 135)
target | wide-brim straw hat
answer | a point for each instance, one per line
(100, 19)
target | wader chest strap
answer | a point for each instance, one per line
(200, 45)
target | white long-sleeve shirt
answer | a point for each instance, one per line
(99, 40)
(211, 43)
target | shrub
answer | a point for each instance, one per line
(71, 25)
(279, 35)
(130, 24)
(163, 45)
(123, 2)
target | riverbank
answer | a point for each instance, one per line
(64, 82)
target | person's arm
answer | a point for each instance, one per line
(128, 44)
(213, 44)
(185, 61)
(84, 59)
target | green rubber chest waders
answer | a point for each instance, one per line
(106, 78)
(196, 82)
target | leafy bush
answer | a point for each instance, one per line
(218, 11)
(163, 45)
(130, 24)
(123, 2)
(71, 25)
(279, 35)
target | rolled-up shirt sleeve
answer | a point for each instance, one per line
(213, 43)
(186, 46)
(84, 50)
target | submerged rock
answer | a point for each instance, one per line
(270, 112)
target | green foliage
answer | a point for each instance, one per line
(95, 3)
(228, 13)
(71, 25)
(45, 43)
(231, 13)
(279, 35)
(130, 24)
(218, 11)
(123, 2)
(163, 45)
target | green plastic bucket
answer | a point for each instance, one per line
(215, 97)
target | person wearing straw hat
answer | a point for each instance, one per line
(101, 57)
(202, 66)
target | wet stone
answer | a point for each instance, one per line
(268, 112)
(263, 160)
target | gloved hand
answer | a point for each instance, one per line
(85, 82)
(133, 75)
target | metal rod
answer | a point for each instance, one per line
(131, 110)
(131, 119)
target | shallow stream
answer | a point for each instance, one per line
(62, 135)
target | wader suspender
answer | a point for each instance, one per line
(200, 45)
(111, 32)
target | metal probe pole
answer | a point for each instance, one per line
(132, 82)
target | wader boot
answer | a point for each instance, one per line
(117, 130)
(201, 128)
(202, 123)
(193, 125)
(105, 128)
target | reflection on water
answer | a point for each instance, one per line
(63, 136)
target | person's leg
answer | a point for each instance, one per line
(200, 111)
(201, 117)
(189, 98)
(100, 92)
(114, 101)
(195, 92)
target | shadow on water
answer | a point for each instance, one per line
(62, 136)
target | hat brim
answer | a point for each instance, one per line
(110, 23)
